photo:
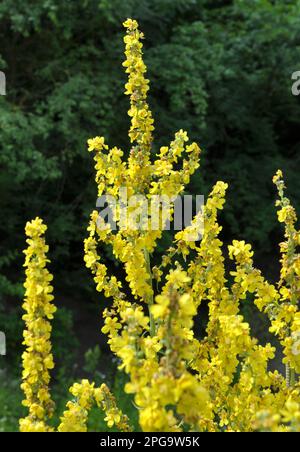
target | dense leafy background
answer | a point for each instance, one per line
(219, 69)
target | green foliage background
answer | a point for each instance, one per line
(219, 69)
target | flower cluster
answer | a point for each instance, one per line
(137, 88)
(85, 396)
(279, 303)
(227, 372)
(181, 380)
(37, 358)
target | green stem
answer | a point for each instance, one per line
(292, 378)
(150, 300)
(288, 375)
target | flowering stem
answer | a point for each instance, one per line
(288, 375)
(292, 378)
(150, 298)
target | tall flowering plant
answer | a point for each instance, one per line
(38, 359)
(179, 382)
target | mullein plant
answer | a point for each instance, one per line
(38, 359)
(179, 382)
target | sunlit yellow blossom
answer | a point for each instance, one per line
(37, 357)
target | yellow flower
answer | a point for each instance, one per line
(160, 309)
(187, 305)
(96, 144)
